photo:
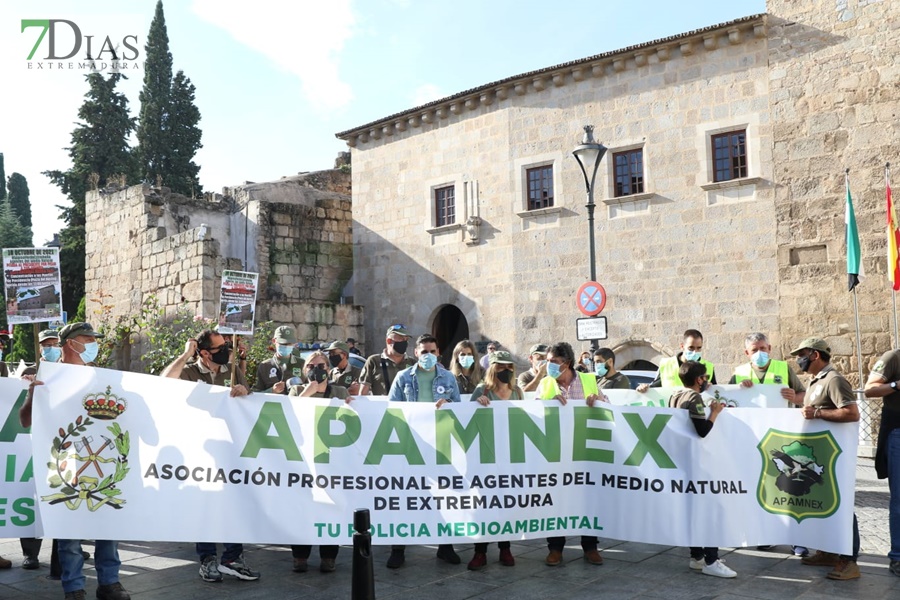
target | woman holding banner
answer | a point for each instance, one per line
(465, 367)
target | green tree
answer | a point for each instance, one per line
(2, 179)
(99, 152)
(22, 345)
(19, 197)
(153, 121)
(12, 233)
(184, 137)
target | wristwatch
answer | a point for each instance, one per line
(893, 385)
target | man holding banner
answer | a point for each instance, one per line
(830, 397)
(79, 347)
(764, 369)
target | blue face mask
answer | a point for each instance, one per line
(691, 355)
(51, 353)
(427, 361)
(760, 358)
(283, 351)
(466, 361)
(600, 369)
(553, 370)
(91, 349)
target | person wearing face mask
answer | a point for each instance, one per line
(605, 370)
(465, 367)
(318, 386)
(425, 381)
(380, 370)
(79, 347)
(49, 342)
(762, 368)
(585, 365)
(342, 372)
(695, 379)
(691, 349)
(830, 398)
(563, 383)
(530, 379)
(285, 368)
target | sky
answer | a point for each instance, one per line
(276, 79)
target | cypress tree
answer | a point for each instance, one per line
(19, 198)
(184, 136)
(153, 122)
(2, 179)
(99, 151)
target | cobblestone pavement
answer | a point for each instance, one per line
(630, 570)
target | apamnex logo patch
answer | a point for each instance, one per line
(798, 476)
(89, 459)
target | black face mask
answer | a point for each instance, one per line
(335, 359)
(804, 363)
(317, 374)
(504, 376)
(221, 357)
(704, 385)
(400, 347)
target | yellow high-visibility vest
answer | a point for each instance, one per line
(668, 371)
(776, 373)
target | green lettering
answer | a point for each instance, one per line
(12, 427)
(521, 426)
(648, 440)
(394, 422)
(43, 23)
(582, 434)
(444, 530)
(272, 414)
(481, 425)
(325, 440)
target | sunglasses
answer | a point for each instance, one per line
(398, 326)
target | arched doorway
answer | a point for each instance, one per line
(449, 327)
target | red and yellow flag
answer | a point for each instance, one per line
(893, 239)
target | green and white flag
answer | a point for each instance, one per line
(854, 264)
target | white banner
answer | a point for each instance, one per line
(17, 506)
(137, 457)
(734, 396)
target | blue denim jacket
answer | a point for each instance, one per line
(406, 387)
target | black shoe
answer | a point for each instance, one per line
(31, 563)
(895, 567)
(447, 554)
(396, 559)
(85, 554)
(113, 591)
(76, 595)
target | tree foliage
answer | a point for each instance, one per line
(17, 187)
(99, 152)
(2, 178)
(184, 135)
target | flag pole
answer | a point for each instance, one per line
(887, 186)
(855, 301)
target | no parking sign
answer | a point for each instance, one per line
(591, 298)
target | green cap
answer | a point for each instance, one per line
(812, 344)
(75, 329)
(285, 335)
(398, 330)
(501, 357)
(339, 345)
(539, 349)
(48, 334)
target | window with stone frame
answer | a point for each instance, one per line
(729, 154)
(444, 206)
(540, 187)
(629, 172)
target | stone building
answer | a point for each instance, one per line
(720, 200)
(294, 232)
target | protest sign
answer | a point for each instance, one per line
(32, 282)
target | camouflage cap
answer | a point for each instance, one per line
(812, 344)
(398, 330)
(501, 357)
(539, 349)
(48, 334)
(285, 335)
(73, 330)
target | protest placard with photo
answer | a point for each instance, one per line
(32, 281)
(237, 308)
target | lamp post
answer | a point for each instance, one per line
(589, 154)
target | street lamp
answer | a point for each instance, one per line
(589, 154)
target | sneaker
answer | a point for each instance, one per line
(327, 565)
(554, 558)
(31, 563)
(800, 551)
(478, 562)
(718, 569)
(5, 563)
(396, 559)
(844, 569)
(593, 557)
(237, 568)
(820, 559)
(697, 564)
(209, 569)
(112, 591)
(506, 558)
(895, 567)
(446, 553)
(76, 595)
(300, 565)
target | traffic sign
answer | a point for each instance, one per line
(591, 298)
(593, 328)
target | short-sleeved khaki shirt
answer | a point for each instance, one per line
(619, 381)
(195, 371)
(376, 366)
(332, 391)
(888, 368)
(829, 389)
(346, 377)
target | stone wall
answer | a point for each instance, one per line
(144, 241)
